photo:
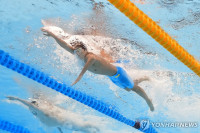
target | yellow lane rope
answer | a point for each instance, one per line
(157, 33)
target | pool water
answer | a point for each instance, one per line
(173, 87)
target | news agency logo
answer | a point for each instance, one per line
(174, 124)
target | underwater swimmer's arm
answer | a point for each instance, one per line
(89, 62)
(59, 40)
(18, 99)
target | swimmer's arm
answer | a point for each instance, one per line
(89, 62)
(60, 41)
(18, 99)
(63, 44)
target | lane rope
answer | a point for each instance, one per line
(13, 128)
(157, 33)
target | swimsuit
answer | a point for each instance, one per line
(122, 79)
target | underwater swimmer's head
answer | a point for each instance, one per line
(80, 50)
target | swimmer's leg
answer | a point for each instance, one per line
(142, 93)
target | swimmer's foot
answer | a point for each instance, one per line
(150, 104)
(137, 81)
(145, 78)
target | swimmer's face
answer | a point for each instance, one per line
(34, 103)
(81, 52)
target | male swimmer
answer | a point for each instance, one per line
(99, 65)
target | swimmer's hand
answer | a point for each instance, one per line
(12, 98)
(46, 31)
(150, 104)
(76, 81)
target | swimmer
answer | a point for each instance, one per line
(99, 65)
(52, 115)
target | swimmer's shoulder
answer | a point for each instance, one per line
(95, 57)
(90, 55)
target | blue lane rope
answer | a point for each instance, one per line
(7, 61)
(7, 126)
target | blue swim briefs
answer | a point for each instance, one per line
(122, 79)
